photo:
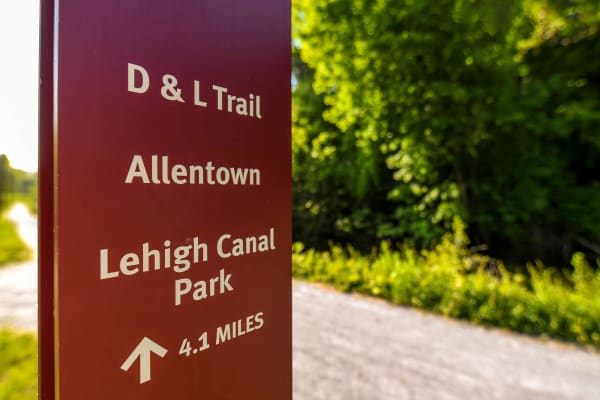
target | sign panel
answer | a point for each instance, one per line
(172, 200)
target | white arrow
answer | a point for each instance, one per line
(143, 350)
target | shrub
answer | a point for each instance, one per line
(12, 247)
(452, 281)
(18, 365)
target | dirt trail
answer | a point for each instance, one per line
(352, 348)
(18, 283)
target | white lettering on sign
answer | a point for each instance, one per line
(241, 104)
(137, 71)
(159, 171)
(169, 89)
(203, 289)
(180, 259)
(240, 327)
(247, 107)
(223, 333)
(228, 247)
(197, 100)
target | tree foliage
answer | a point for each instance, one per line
(15, 183)
(409, 113)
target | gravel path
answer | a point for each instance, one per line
(18, 284)
(18, 296)
(354, 348)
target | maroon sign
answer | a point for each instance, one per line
(169, 201)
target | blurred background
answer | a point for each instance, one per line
(446, 158)
(454, 145)
(19, 61)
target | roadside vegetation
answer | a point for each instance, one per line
(15, 186)
(12, 247)
(18, 365)
(455, 282)
(18, 350)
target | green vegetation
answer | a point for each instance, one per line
(15, 185)
(18, 365)
(18, 351)
(411, 115)
(452, 281)
(12, 247)
(408, 114)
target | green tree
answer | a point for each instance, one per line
(560, 69)
(431, 109)
(16, 184)
(333, 192)
(6, 180)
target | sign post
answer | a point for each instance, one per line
(166, 221)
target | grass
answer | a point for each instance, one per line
(18, 351)
(18, 365)
(451, 281)
(12, 247)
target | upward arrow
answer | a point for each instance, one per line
(142, 351)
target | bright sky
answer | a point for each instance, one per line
(19, 30)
